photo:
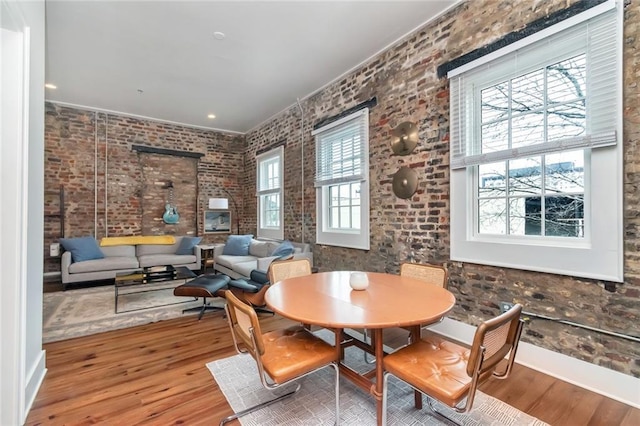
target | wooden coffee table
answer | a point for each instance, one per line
(150, 279)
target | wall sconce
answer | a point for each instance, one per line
(219, 203)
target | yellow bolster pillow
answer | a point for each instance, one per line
(137, 239)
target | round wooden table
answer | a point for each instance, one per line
(327, 300)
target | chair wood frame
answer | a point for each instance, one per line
(278, 270)
(245, 330)
(430, 274)
(482, 362)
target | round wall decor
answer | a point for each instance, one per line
(405, 182)
(405, 138)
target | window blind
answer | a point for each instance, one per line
(596, 37)
(340, 150)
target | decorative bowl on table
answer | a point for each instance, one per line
(358, 281)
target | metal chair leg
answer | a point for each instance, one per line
(259, 406)
(440, 414)
(203, 308)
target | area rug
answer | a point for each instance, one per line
(81, 312)
(314, 404)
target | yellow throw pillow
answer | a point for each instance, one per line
(137, 239)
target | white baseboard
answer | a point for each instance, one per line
(610, 383)
(35, 376)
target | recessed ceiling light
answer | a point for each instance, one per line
(50, 86)
(218, 35)
(211, 116)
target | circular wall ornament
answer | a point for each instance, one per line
(405, 138)
(405, 182)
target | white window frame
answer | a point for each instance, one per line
(600, 254)
(263, 231)
(350, 238)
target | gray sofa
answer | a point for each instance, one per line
(259, 257)
(126, 258)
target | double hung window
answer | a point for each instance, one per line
(269, 192)
(342, 181)
(536, 164)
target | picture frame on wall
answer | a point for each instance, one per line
(217, 221)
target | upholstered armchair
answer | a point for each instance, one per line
(450, 373)
(282, 356)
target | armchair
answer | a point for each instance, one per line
(282, 356)
(451, 373)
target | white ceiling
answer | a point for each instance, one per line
(100, 54)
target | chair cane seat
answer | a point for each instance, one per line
(294, 351)
(435, 366)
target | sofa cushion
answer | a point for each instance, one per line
(245, 268)
(237, 245)
(111, 263)
(259, 248)
(231, 261)
(284, 249)
(165, 259)
(82, 249)
(187, 244)
(145, 249)
(119, 251)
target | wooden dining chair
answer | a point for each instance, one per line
(450, 373)
(282, 356)
(283, 269)
(431, 274)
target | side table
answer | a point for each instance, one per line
(206, 256)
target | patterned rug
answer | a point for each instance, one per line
(81, 312)
(314, 404)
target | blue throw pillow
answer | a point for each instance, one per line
(83, 248)
(237, 245)
(284, 250)
(187, 244)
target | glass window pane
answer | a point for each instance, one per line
(527, 92)
(345, 195)
(495, 136)
(355, 217)
(517, 216)
(568, 120)
(533, 216)
(355, 194)
(334, 217)
(525, 176)
(345, 217)
(564, 172)
(492, 216)
(491, 181)
(495, 102)
(566, 80)
(564, 216)
(527, 129)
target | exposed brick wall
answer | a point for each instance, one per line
(112, 190)
(404, 81)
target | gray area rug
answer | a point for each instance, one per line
(81, 312)
(314, 404)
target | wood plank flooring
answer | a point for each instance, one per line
(156, 375)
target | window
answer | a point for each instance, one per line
(269, 186)
(342, 182)
(536, 158)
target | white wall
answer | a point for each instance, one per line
(21, 218)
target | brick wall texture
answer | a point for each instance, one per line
(403, 79)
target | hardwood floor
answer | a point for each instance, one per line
(155, 374)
